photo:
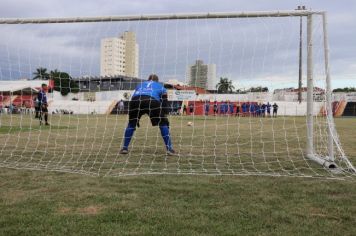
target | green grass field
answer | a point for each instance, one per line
(206, 190)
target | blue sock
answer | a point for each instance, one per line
(130, 130)
(166, 137)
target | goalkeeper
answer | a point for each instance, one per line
(150, 98)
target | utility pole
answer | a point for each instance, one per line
(302, 8)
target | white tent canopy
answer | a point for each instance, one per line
(20, 86)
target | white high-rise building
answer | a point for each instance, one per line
(119, 56)
(202, 75)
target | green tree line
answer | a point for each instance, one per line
(63, 82)
(346, 89)
(225, 86)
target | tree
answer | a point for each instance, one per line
(225, 85)
(63, 82)
(346, 89)
(258, 89)
(41, 73)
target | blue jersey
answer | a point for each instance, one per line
(207, 107)
(150, 88)
(244, 107)
(42, 97)
(231, 107)
(263, 108)
(222, 107)
(252, 108)
(226, 108)
(268, 107)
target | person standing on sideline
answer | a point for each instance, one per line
(42, 104)
(191, 108)
(237, 109)
(268, 106)
(231, 108)
(222, 108)
(252, 110)
(244, 109)
(121, 107)
(150, 97)
(275, 109)
(207, 107)
(184, 110)
(263, 110)
(216, 109)
(37, 108)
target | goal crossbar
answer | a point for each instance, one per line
(214, 15)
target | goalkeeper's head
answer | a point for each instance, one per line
(153, 77)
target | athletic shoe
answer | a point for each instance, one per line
(47, 124)
(171, 153)
(124, 151)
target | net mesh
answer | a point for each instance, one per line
(87, 127)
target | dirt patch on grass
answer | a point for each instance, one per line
(65, 210)
(13, 196)
(90, 210)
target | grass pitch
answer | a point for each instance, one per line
(56, 203)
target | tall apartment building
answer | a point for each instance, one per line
(119, 56)
(202, 75)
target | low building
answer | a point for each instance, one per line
(106, 83)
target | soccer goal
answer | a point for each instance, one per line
(234, 104)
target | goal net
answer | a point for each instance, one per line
(234, 105)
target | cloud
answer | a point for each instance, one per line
(246, 50)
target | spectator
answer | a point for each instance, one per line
(258, 110)
(231, 108)
(244, 109)
(37, 107)
(268, 107)
(191, 108)
(226, 108)
(184, 110)
(275, 109)
(177, 108)
(207, 107)
(222, 108)
(11, 108)
(237, 109)
(263, 110)
(216, 110)
(252, 109)
(121, 107)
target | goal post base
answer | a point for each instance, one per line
(322, 161)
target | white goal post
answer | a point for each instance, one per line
(328, 161)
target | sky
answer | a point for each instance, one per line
(250, 52)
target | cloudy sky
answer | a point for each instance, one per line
(249, 51)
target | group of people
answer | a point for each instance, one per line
(230, 108)
(259, 109)
(13, 109)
